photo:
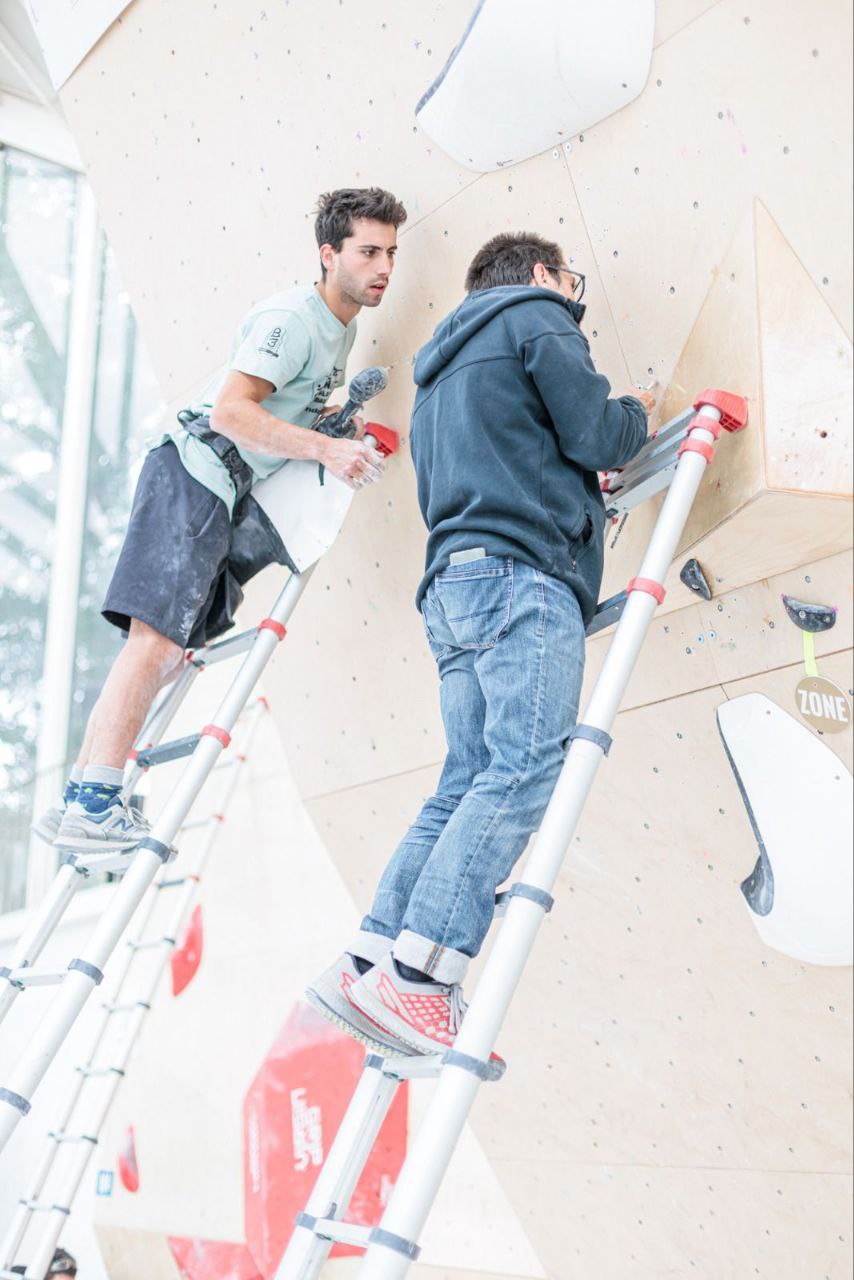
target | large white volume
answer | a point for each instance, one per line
(526, 77)
(798, 796)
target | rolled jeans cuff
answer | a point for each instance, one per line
(370, 946)
(442, 964)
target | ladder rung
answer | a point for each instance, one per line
(151, 943)
(42, 1206)
(651, 470)
(197, 823)
(125, 1008)
(225, 649)
(342, 1232)
(167, 751)
(97, 1073)
(36, 977)
(659, 449)
(608, 612)
(626, 499)
(73, 1138)
(113, 861)
(418, 1067)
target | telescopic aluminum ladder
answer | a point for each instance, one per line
(674, 459)
(307, 507)
(154, 934)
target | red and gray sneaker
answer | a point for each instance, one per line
(330, 996)
(424, 1015)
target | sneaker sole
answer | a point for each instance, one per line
(332, 1015)
(86, 844)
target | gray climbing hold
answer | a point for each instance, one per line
(810, 617)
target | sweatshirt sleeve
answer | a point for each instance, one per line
(595, 432)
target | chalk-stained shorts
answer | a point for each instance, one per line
(172, 566)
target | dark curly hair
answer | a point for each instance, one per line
(337, 211)
(510, 259)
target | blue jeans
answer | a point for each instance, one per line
(509, 644)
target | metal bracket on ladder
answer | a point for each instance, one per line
(675, 460)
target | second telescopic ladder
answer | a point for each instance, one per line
(675, 459)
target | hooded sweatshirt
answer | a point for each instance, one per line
(510, 425)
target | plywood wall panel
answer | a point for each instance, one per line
(667, 1033)
(129, 1254)
(664, 186)
(206, 186)
(774, 532)
(656, 1223)
(806, 366)
(722, 350)
(737, 633)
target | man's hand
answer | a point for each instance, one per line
(647, 398)
(352, 461)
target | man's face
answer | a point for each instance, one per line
(360, 272)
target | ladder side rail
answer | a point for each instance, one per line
(431, 1151)
(306, 1253)
(146, 862)
(109, 1085)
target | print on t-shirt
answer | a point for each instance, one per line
(322, 391)
(272, 342)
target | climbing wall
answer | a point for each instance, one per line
(677, 1095)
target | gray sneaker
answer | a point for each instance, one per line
(116, 828)
(330, 996)
(47, 826)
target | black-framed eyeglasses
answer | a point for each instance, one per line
(579, 280)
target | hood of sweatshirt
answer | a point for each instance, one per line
(472, 314)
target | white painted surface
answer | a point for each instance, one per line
(800, 796)
(521, 81)
(67, 29)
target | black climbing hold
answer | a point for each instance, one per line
(692, 575)
(810, 617)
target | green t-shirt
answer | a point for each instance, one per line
(293, 341)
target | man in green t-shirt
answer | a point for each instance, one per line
(173, 587)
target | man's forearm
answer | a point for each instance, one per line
(252, 427)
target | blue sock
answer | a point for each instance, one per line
(95, 797)
(72, 786)
(100, 788)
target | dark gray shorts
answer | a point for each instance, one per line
(174, 555)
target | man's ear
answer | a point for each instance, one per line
(327, 255)
(540, 277)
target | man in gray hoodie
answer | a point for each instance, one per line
(510, 426)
